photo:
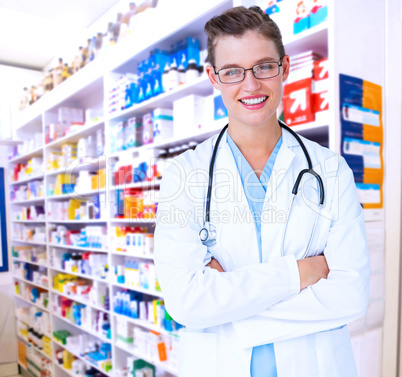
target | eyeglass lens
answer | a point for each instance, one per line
(260, 71)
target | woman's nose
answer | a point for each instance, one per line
(250, 82)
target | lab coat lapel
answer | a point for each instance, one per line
(227, 186)
(236, 236)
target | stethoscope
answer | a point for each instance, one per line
(208, 232)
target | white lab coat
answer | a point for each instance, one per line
(252, 303)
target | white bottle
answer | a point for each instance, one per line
(82, 148)
(182, 72)
(173, 77)
(165, 78)
(192, 71)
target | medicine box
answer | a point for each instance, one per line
(188, 114)
(162, 120)
(298, 102)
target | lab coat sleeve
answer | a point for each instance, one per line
(198, 296)
(332, 302)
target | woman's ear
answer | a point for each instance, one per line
(286, 67)
(212, 76)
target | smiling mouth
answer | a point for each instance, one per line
(253, 101)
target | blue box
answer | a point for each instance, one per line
(220, 110)
(319, 16)
(301, 25)
(159, 58)
(185, 50)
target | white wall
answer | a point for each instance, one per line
(13, 80)
(393, 205)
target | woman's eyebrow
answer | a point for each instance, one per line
(262, 60)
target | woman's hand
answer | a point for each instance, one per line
(214, 264)
(312, 270)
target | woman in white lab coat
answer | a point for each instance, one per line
(251, 303)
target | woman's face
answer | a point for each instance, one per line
(246, 51)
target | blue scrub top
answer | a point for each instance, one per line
(263, 362)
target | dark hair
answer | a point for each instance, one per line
(236, 22)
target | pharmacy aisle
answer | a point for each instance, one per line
(96, 138)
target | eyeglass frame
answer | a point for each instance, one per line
(280, 64)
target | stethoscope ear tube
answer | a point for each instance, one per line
(211, 174)
(318, 178)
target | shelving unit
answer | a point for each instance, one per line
(89, 87)
(32, 303)
(28, 179)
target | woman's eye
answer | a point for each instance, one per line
(233, 72)
(266, 66)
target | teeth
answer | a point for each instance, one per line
(253, 101)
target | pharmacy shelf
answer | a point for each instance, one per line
(197, 136)
(91, 332)
(86, 130)
(133, 221)
(79, 300)
(28, 201)
(29, 242)
(27, 261)
(138, 289)
(139, 185)
(80, 164)
(76, 195)
(27, 324)
(132, 255)
(84, 359)
(41, 307)
(30, 282)
(70, 247)
(28, 221)
(159, 364)
(24, 157)
(36, 348)
(316, 36)
(23, 366)
(67, 371)
(200, 86)
(91, 221)
(80, 275)
(144, 324)
(10, 142)
(26, 180)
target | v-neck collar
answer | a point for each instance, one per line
(247, 174)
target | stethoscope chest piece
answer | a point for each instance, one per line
(208, 234)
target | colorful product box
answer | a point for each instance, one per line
(298, 102)
(321, 69)
(147, 129)
(302, 20)
(162, 120)
(318, 12)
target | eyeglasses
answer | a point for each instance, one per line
(233, 75)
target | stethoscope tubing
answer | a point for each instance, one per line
(295, 189)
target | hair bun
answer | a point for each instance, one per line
(257, 9)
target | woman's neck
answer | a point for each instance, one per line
(259, 139)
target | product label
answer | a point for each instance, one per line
(370, 151)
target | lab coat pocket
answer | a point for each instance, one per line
(335, 354)
(198, 354)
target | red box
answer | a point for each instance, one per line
(321, 69)
(298, 102)
(321, 101)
